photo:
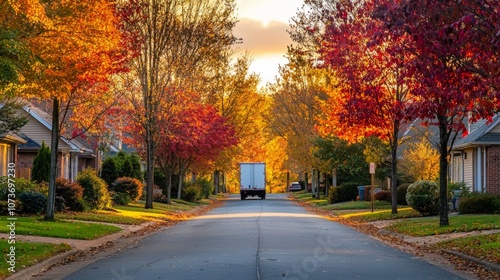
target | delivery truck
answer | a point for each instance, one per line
(252, 179)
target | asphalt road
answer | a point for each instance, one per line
(260, 239)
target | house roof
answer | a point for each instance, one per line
(480, 136)
(29, 143)
(11, 138)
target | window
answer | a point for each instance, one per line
(5, 158)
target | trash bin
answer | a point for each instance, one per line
(455, 200)
(361, 193)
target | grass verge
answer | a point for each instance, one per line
(61, 229)
(485, 247)
(135, 213)
(458, 223)
(28, 254)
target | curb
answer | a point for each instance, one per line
(484, 263)
(27, 273)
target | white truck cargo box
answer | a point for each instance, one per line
(252, 179)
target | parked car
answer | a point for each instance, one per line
(294, 186)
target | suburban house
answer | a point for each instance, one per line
(74, 155)
(8, 151)
(475, 158)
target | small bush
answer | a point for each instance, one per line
(130, 186)
(71, 192)
(344, 192)
(33, 202)
(205, 186)
(191, 193)
(402, 190)
(383, 195)
(159, 198)
(479, 204)
(21, 186)
(95, 191)
(423, 196)
(460, 186)
(332, 195)
(348, 191)
(121, 198)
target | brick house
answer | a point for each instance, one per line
(74, 155)
(475, 158)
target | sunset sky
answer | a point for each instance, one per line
(263, 25)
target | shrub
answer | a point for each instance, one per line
(423, 196)
(71, 192)
(345, 192)
(383, 195)
(33, 202)
(348, 191)
(479, 204)
(109, 172)
(130, 186)
(121, 198)
(191, 193)
(402, 190)
(41, 165)
(332, 195)
(95, 191)
(21, 186)
(159, 198)
(206, 187)
(459, 186)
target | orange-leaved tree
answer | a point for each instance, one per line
(79, 46)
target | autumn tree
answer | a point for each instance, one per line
(78, 45)
(456, 69)
(368, 63)
(177, 41)
(233, 91)
(296, 96)
(420, 161)
(195, 135)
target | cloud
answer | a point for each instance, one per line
(260, 39)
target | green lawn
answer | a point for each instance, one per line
(134, 213)
(27, 254)
(378, 214)
(62, 229)
(458, 223)
(486, 247)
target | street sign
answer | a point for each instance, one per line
(372, 168)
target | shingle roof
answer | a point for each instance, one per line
(29, 145)
(481, 135)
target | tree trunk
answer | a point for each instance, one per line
(216, 182)
(394, 167)
(181, 175)
(50, 214)
(443, 174)
(150, 169)
(169, 188)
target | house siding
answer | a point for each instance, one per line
(38, 133)
(493, 166)
(496, 129)
(468, 168)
